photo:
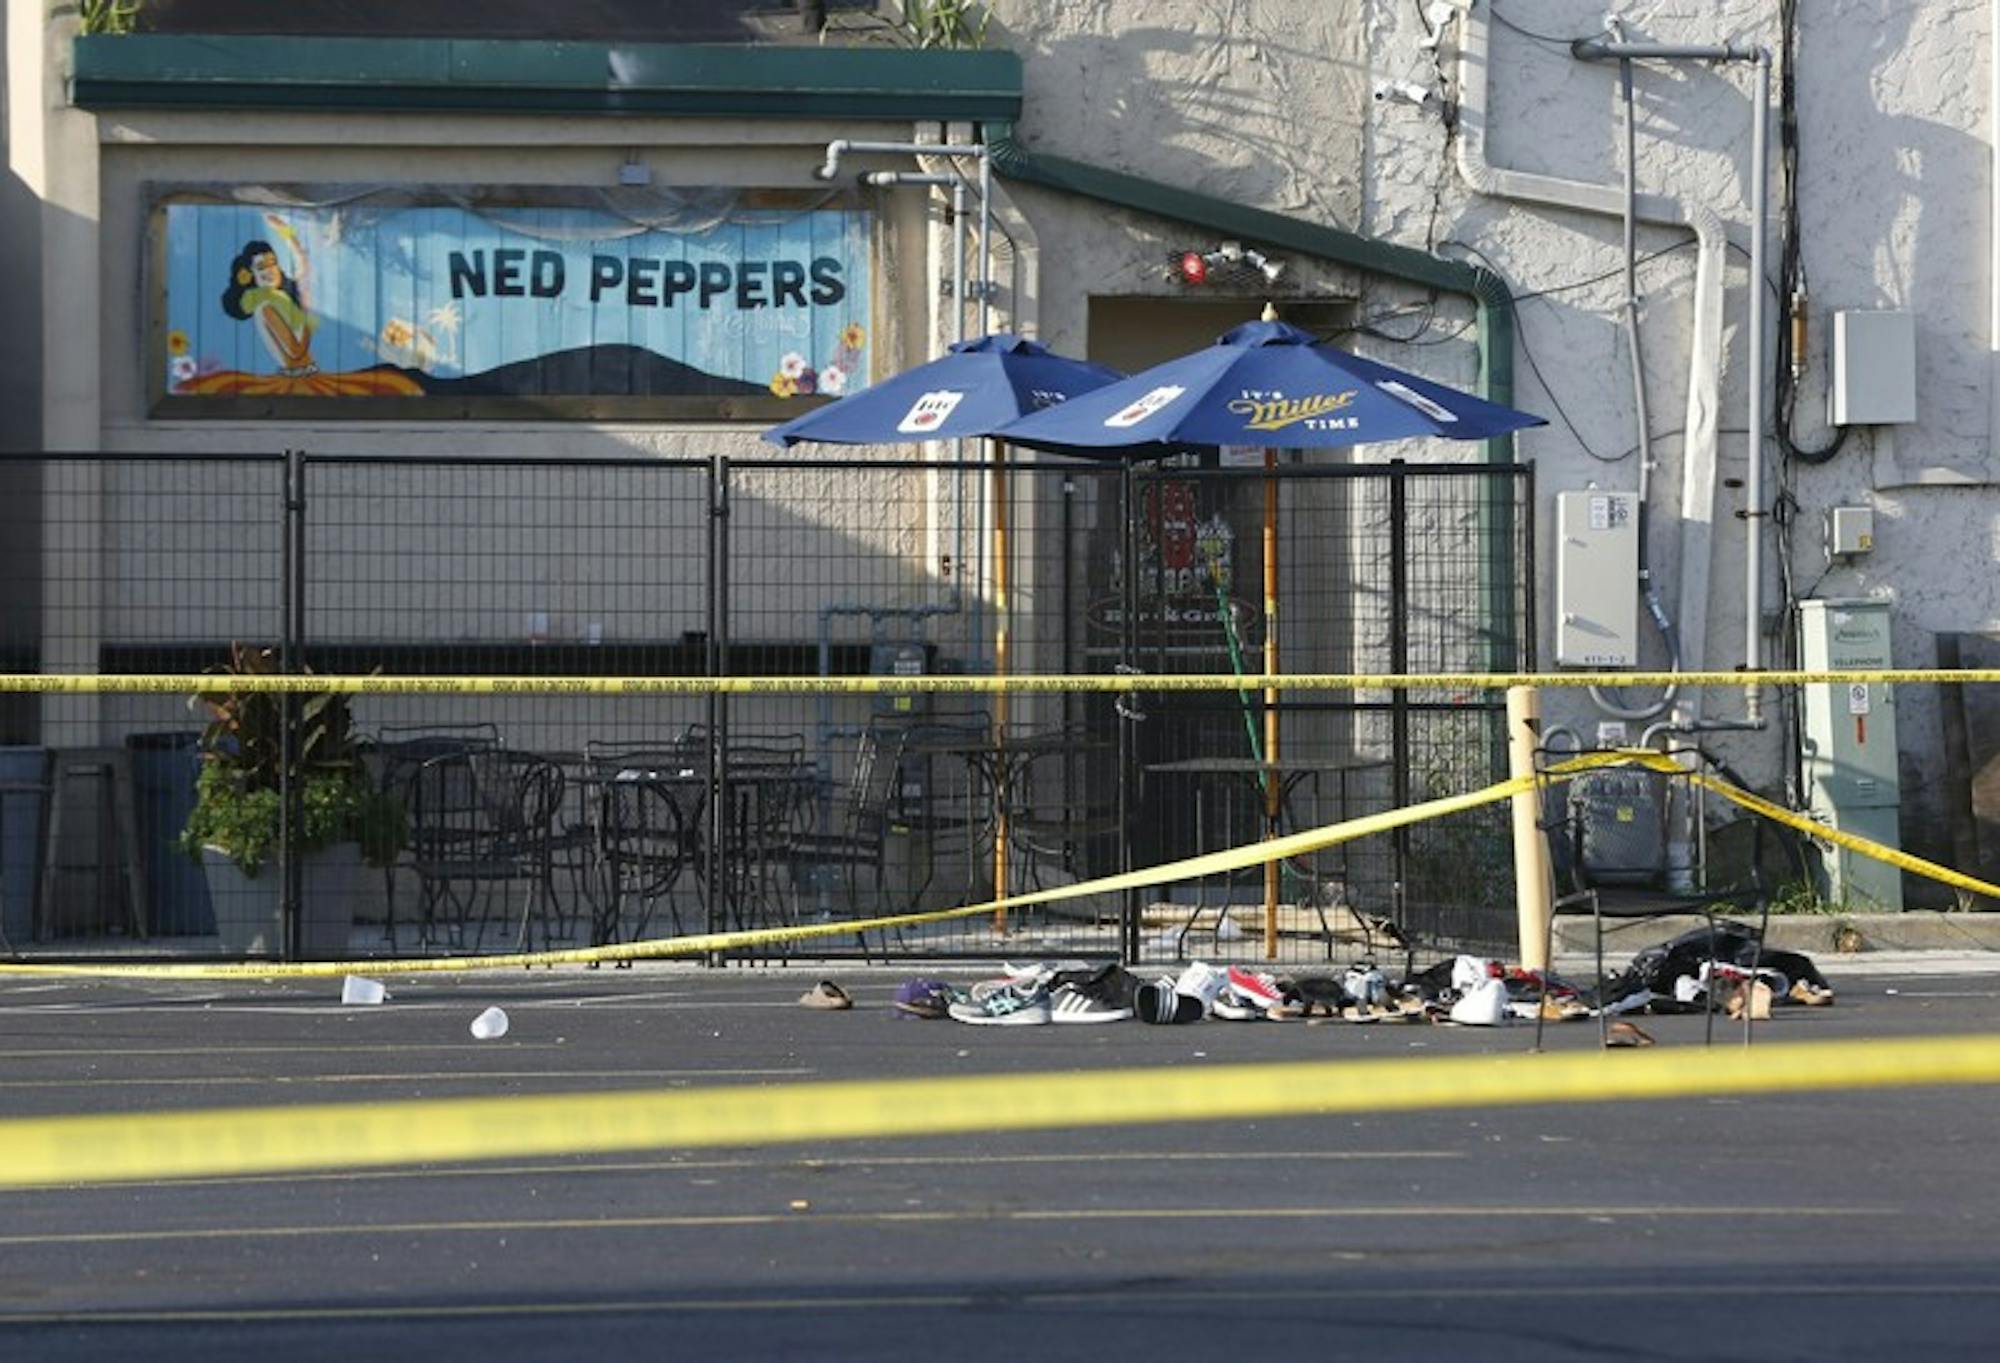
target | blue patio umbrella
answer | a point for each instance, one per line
(1267, 384)
(1271, 385)
(970, 391)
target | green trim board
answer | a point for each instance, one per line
(495, 76)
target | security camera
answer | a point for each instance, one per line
(1438, 20)
(1403, 92)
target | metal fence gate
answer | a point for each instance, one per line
(855, 803)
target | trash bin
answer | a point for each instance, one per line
(164, 767)
(24, 776)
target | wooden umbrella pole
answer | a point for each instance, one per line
(1273, 786)
(1001, 622)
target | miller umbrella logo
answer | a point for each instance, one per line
(1274, 411)
(1144, 407)
(1416, 400)
(929, 411)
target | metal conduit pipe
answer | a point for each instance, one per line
(1649, 591)
(1602, 49)
(876, 614)
(1704, 382)
(829, 169)
(841, 146)
(1699, 478)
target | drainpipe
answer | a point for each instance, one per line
(1993, 231)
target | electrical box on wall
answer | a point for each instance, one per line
(1597, 579)
(1874, 369)
(1849, 530)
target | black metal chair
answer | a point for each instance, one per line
(394, 753)
(645, 810)
(850, 831)
(479, 822)
(767, 791)
(1053, 823)
(1607, 831)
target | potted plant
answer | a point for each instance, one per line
(234, 827)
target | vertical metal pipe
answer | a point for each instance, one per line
(1642, 423)
(1399, 662)
(985, 242)
(1002, 796)
(1753, 568)
(1128, 552)
(291, 783)
(715, 852)
(1273, 781)
(961, 497)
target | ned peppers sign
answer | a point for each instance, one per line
(414, 302)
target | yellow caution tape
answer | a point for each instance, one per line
(86, 683)
(1189, 868)
(40, 1151)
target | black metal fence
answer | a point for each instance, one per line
(533, 819)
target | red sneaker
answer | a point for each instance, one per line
(1255, 987)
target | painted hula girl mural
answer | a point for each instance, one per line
(262, 293)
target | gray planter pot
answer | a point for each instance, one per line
(248, 909)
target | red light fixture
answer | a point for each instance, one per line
(1229, 265)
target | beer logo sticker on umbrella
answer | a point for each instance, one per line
(929, 411)
(1144, 407)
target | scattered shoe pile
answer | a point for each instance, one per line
(1469, 991)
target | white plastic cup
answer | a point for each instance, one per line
(490, 1025)
(361, 989)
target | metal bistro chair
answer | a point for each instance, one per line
(645, 808)
(478, 823)
(768, 791)
(1051, 821)
(851, 834)
(1607, 835)
(394, 753)
(942, 799)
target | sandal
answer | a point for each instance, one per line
(826, 996)
(1623, 1033)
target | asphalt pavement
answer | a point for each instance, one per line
(1813, 1226)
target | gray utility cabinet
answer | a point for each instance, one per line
(1848, 748)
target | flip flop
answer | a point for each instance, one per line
(826, 996)
(1623, 1033)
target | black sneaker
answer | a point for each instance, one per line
(1074, 1003)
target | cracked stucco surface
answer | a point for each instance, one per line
(1267, 102)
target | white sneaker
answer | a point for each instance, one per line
(1232, 1009)
(1202, 981)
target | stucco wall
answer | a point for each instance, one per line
(1893, 205)
(1268, 102)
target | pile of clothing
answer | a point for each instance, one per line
(1080, 992)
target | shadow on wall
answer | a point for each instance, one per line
(1236, 91)
(20, 429)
